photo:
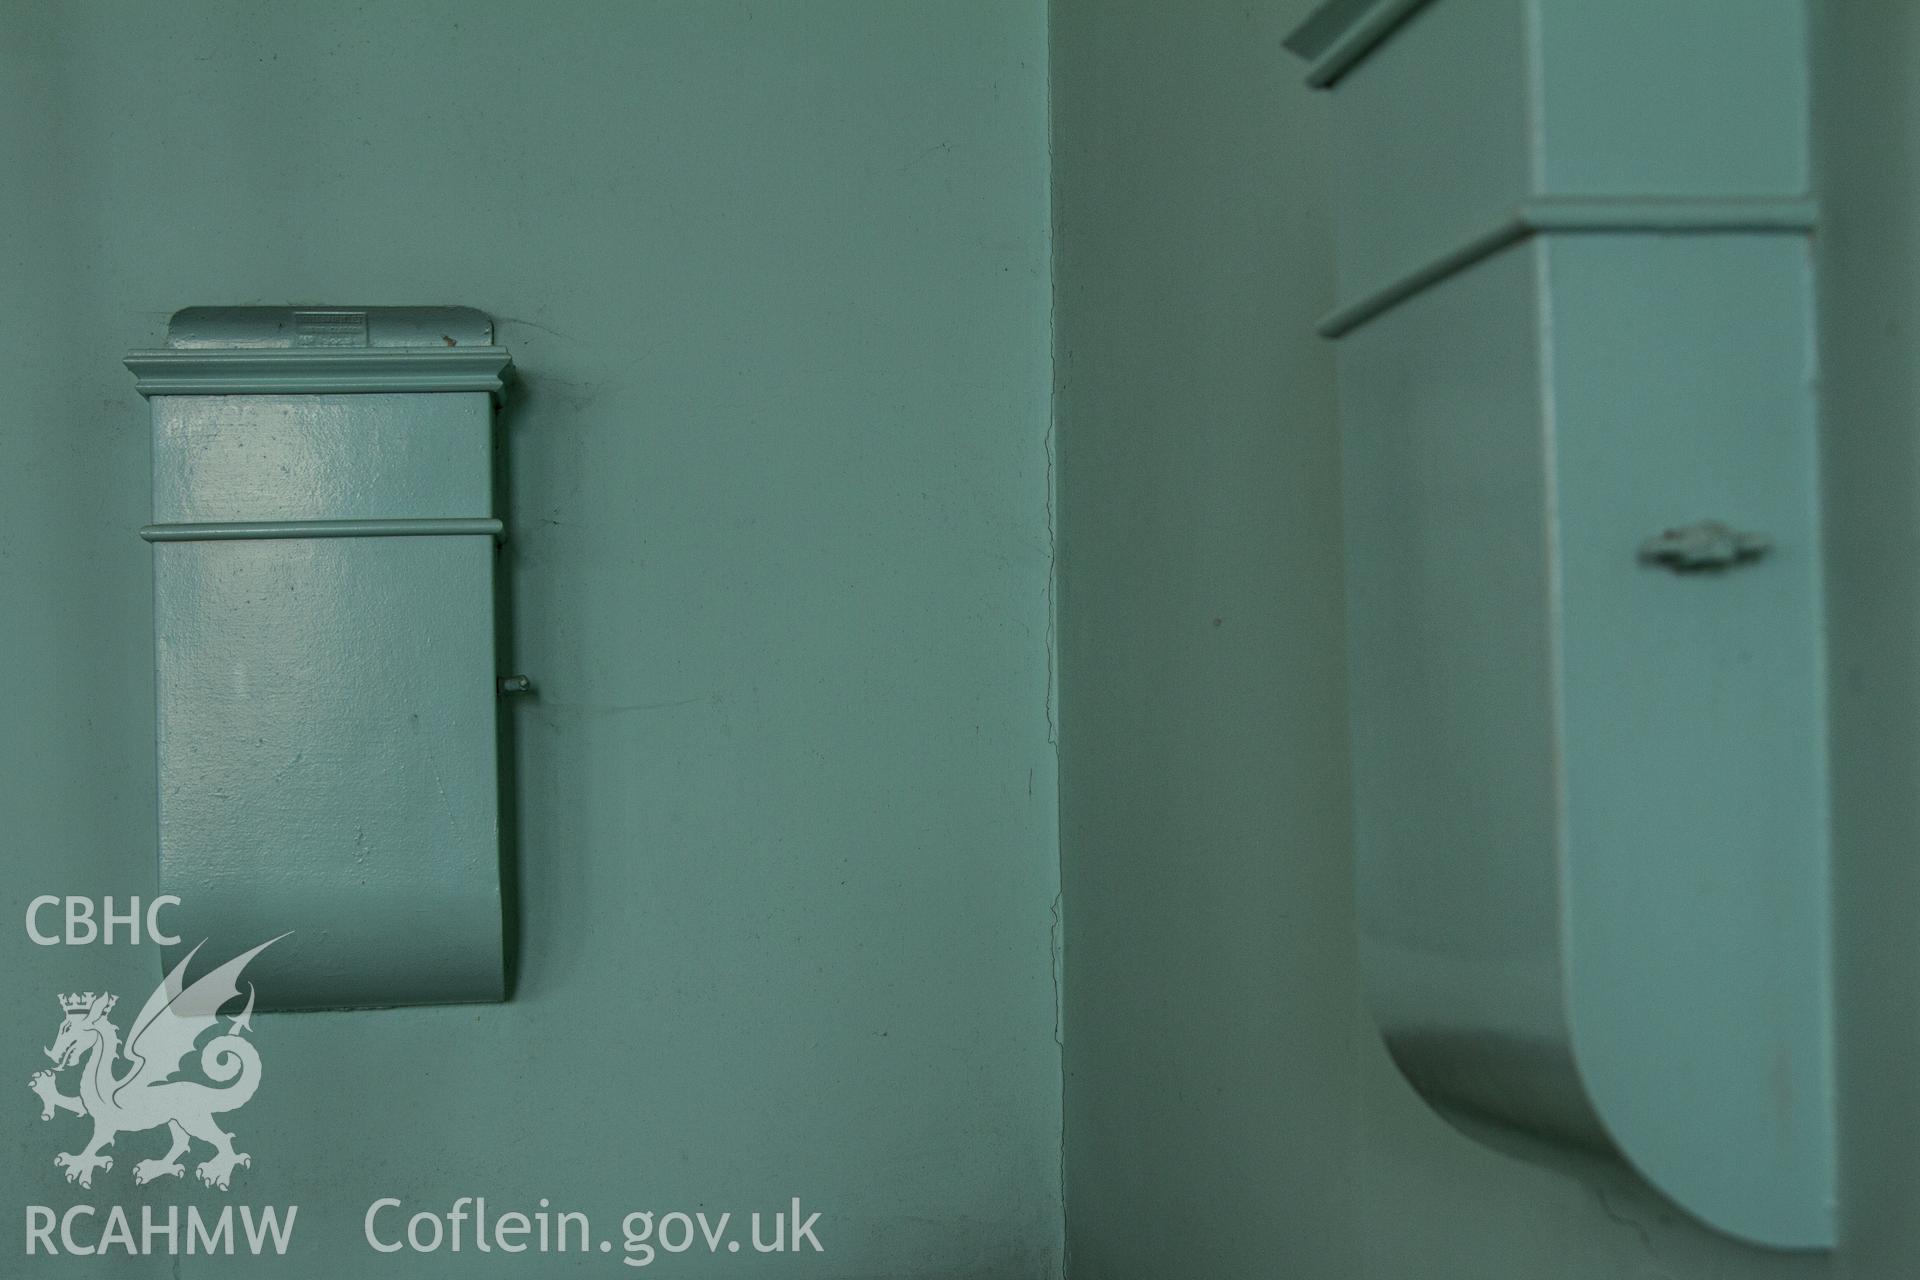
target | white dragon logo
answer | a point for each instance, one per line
(146, 1096)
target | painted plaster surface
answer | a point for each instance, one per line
(776, 281)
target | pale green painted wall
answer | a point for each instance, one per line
(1229, 1108)
(1209, 987)
(776, 277)
(1868, 153)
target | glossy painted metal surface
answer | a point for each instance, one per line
(1483, 109)
(229, 530)
(317, 371)
(324, 562)
(1590, 790)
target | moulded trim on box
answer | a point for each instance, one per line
(1339, 33)
(1786, 215)
(252, 530)
(212, 371)
(306, 326)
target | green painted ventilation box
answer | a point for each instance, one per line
(1584, 580)
(328, 740)
(1462, 125)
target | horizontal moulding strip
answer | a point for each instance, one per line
(249, 530)
(192, 371)
(1582, 217)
